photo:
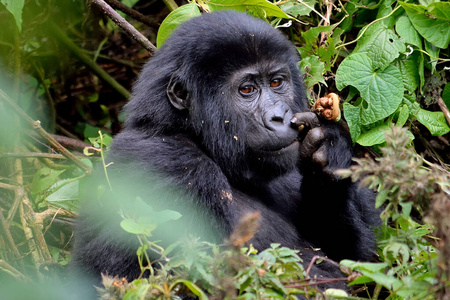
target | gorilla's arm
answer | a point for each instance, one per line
(345, 209)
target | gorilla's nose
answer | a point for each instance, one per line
(278, 117)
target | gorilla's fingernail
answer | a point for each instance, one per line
(294, 120)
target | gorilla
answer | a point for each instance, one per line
(212, 131)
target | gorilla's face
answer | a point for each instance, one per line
(264, 95)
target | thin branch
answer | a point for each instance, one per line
(37, 126)
(132, 13)
(127, 27)
(444, 109)
(34, 155)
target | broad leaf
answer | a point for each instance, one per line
(269, 9)
(382, 89)
(373, 136)
(174, 19)
(434, 121)
(381, 44)
(297, 9)
(407, 31)
(353, 118)
(432, 22)
(15, 7)
(409, 70)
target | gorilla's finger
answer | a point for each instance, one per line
(320, 156)
(305, 119)
(312, 142)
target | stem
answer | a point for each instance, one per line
(37, 126)
(127, 27)
(132, 13)
(171, 5)
(367, 27)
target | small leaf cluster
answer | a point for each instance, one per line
(210, 272)
(413, 265)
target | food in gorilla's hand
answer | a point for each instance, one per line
(328, 107)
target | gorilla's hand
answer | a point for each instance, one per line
(325, 146)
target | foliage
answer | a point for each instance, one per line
(388, 58)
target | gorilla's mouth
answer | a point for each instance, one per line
(282, 150)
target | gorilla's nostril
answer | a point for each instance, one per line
(278, 119)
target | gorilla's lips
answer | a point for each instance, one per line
(291, 147)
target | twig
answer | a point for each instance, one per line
(127, 27)
(87, 60)
(34, 155)
(4, 266)
(37, 126)
(8, 237)
(132, 13)
(444, 109)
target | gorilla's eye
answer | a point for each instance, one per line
(247, 89)
(276, 83)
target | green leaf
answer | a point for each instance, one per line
(373, 136)
(372, 267)
(15, 7)
(406, 30)
(132, 227)
(409, 70)
(352, 116)
(174, 19)
(297, 9)
(403, 115)
(193, 288)
(382, 45)
(43, 179)
(434, 121)
(269, 9)
(446, 95)
(66, 195)
(432, 22)
(434, 52)
(164, 216)
(314, 70)
(383, 90)
(382, 196)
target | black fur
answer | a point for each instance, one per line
(199, 157)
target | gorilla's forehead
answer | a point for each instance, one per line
(265, 68)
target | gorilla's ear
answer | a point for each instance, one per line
(177, 93)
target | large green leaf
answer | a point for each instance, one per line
(174, 19)
(269, 9)
(434, 121)
(432, 22)
(374, 136)
(15, 7)
(381, 44)
(382, 89)
(353, 118)
(406, 30)
(409, 70)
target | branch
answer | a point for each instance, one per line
(444, 109)
(127, 27)
(132, 13)
(37, 126)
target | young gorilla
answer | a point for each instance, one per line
(215, 115)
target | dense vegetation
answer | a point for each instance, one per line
(66, 70)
